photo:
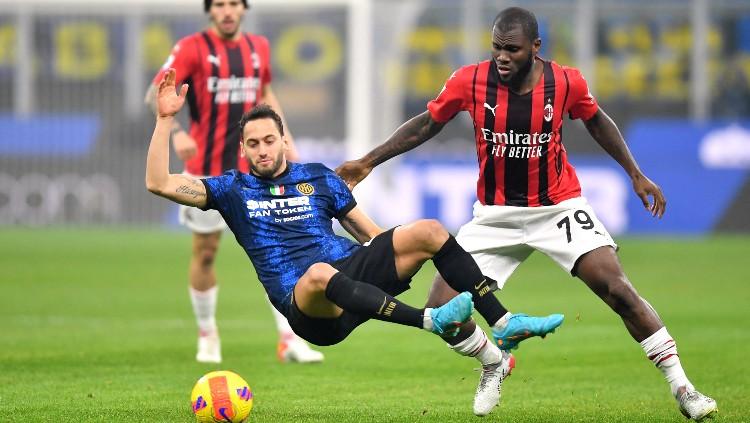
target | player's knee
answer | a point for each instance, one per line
(431, 234)
(205, 257)
(318, 275)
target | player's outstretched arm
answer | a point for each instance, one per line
(184, 145)
(179, 188)
(411, 134)
(359, 225)
(604, 130)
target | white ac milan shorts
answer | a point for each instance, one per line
(201, 221)
(501, 237)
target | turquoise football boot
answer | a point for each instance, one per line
(447, 319)
(522, 326)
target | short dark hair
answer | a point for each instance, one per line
(207, 4)
(261, 111)
(508, 18)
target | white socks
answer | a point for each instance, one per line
(427, 319)
(500, 324)
(282, 325)
(479, 346)
(204, 308)
(661, 349)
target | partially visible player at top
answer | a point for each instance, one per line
(528, 195)
(229, 72)
(326, 285)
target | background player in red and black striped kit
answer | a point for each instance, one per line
(528, 194)
(228, 72)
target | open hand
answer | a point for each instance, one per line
(168, 102)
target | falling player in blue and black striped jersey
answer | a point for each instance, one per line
(326, 285)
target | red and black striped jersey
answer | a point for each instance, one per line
(226, 79)
(522, 161)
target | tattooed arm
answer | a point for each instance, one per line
(359, 225)
(182, 189)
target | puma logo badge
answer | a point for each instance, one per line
(482, 290)
(492, 109)
(213, 59)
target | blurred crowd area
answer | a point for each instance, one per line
(72, 79)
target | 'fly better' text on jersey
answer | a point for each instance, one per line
(522, 160)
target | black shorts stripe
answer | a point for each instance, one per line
(232, 137)
(518, 120)
(490, 97)
(214, 110)
(549, 98)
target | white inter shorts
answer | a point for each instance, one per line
(200, 221)
(501, 237)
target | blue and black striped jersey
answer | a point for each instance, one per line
(284, 224)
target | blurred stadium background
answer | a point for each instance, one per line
(673, 74)
(96, 323)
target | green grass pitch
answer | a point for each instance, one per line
(96, 326)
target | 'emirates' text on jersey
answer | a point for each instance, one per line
(284, 224)
(522, 161)
(226, 79)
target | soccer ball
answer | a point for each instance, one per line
(221, 396)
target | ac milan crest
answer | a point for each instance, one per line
(548, 111)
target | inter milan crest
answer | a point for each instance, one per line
(548, 111)
(277, 189)
(305, 188)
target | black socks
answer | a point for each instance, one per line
(461, 272)
(369, 300)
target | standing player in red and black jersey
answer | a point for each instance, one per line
(229, 72)
(528, 194)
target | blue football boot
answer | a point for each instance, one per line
(522, 326)
(447, 319)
